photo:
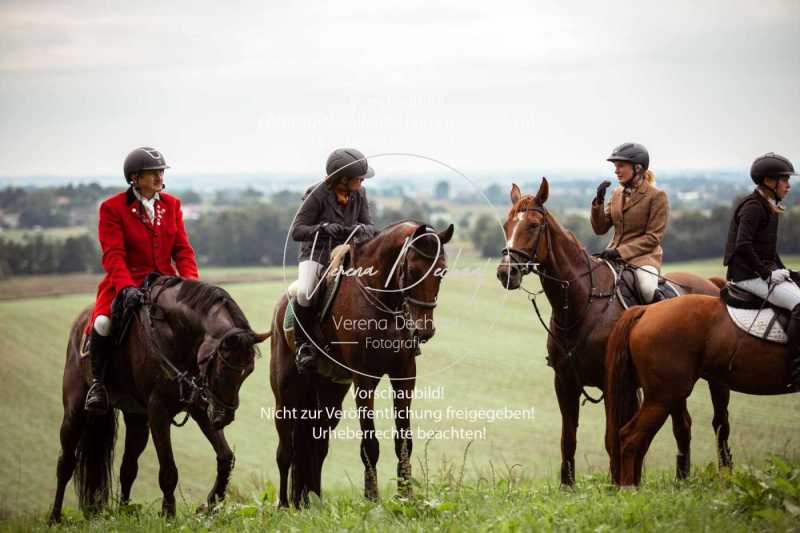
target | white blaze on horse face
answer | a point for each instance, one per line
(510, 243)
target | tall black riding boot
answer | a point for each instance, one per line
(99, 351)
(793, 345)
(306, 357)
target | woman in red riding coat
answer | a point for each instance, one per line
(141, 231)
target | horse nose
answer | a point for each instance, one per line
(222, 420)
(426, 334)
(505, 272)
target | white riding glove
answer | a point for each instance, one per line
(778, 276)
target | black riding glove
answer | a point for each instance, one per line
(131, 297)
(795, 275)
(334, 230)
(610, 254)
(601, 192)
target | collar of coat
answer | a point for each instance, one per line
(130, 196)
(768, 199)
(636, 194)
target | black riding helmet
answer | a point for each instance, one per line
(632, 153)
(770, 165)
(144, 158)
(348, 163)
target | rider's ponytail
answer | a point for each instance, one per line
(650, 176)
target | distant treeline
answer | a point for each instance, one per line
(246, 229)
(248, 233)
(690, 234)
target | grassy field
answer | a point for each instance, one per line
(488, 353)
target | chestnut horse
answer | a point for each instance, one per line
(191, 351)
(665, 349)
(407, 259)
(580, 289)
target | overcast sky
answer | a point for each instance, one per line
(484, 86)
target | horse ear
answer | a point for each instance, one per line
(446, 235)
(258, 338)
(544, 191)
(421, 230)
(516, 194)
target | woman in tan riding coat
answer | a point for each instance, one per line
(638, 212)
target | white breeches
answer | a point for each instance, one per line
(308, 273)
(647, 279)
(102, 325)
(785, 294)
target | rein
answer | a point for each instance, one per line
(532, 264)
(191, 388)
(407, 301)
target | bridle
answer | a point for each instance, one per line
(530, 262)
(192, 389)
(527, 261)
(227, 365)
(407, 301)
(405, 274)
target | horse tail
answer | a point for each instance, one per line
(621, 385)
(95, 457)
(306, 463)
(718, 281)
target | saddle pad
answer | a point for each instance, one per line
(325, 367)
(756, 323)
(288, 327)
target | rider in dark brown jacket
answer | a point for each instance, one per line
(333, 212)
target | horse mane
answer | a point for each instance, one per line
(202, 296)
(393, 225)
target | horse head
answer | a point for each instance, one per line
(207, 317)
(223, 371)
(408, 261)
(526, 233)
(424, 264)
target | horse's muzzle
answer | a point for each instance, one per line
(219, 416)
(509, 276)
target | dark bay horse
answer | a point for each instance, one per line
(665, 349)
(408, 260)
(190, 347)
(579, 288)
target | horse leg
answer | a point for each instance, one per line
(635, 438)
(284, 456)
(160, 421)
(403, 387)
(225, 457)
(365, 402)
(568, 402)
(720, 396)
(70, 435)
(682, 429)
(136, 434)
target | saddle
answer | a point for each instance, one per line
(121, 319)
(627, 288)
(754, 315)
(321, 302)
(121, 316)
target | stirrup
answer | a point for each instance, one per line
(97, 399)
